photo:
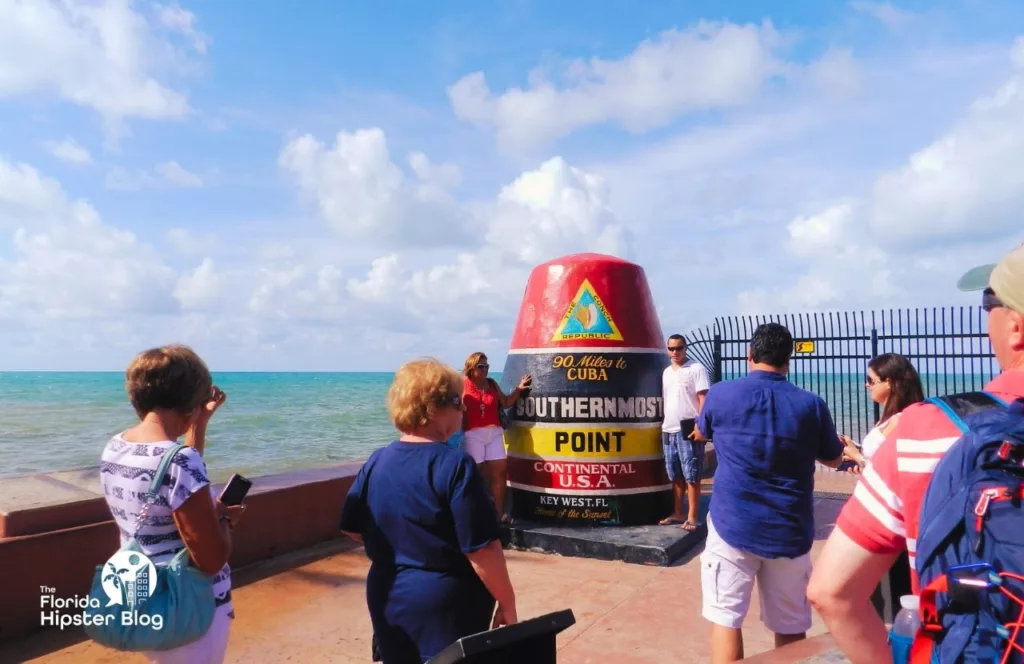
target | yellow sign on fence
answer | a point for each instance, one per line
(804, 346)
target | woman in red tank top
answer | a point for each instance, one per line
(481, 397)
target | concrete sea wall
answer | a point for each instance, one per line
(55, 529)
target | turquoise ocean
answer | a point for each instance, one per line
(273, 422)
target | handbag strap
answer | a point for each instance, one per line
(155, 484)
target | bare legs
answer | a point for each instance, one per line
(496, 474)
(693, 504)
(681, 488)
(727, 643)
(786, 639)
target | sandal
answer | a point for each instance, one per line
(669, 521)
(690, 526)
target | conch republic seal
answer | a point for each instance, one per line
(584, 443)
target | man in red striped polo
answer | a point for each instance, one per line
(882, 516)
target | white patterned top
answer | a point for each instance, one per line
(126, 469)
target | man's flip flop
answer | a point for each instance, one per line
(670, 521)
(690, 526)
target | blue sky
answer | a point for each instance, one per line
(322, 185)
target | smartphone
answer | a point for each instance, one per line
(686, 427)
(235, 491)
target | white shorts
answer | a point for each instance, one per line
(727, 579)
(485, 443)
(210, 648)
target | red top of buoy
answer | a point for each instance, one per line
(587, 301)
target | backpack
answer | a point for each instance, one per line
(970, 549)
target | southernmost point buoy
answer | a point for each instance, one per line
(584, 444)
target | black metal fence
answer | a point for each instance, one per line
(948, 346)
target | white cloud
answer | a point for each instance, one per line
(884, 12)
(173, 173)
(553, 210)
(955, 204)
(200, 289)
(190, 242)
(175, 18)
(103, 55)
(828, 232)
(380, 282)
(169, 174)
(362, 194)
(67, 263)
(970, 182)
(707, 66)
(68, 150)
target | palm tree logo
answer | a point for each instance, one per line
(129, 579)
(115, 577)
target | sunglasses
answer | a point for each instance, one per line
(455, 401)
(483, 365)
(673, 349)
(990, 301)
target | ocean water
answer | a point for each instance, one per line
(273, 422)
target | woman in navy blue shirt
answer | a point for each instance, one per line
(429, 525)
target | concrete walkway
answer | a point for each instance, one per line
(312, 609)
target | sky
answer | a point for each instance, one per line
(346, 185)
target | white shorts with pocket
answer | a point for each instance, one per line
(727, 578)
(485, 443)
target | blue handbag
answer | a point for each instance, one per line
(146, 606)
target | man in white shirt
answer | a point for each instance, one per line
(683, 386)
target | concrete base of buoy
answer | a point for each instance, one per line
(655, 545)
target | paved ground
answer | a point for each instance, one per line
(314, 611)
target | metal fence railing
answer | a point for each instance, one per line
(949, 347)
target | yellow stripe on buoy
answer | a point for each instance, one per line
(591, 443)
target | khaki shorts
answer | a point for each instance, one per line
(727, 578)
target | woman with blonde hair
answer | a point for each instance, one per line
(423, 512)
(481, 424)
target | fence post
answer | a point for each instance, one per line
(716, 358)
(874, 354)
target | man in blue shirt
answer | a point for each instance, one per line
(768, 434)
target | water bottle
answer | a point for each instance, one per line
(901, 637)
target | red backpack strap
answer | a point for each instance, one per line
(922, 650)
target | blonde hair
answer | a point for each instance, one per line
(420, 389)
(471, 362)
(171, 377)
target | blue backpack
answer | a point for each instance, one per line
(970, 552)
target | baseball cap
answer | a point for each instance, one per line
(1005, 278)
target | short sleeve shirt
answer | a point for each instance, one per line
(680, 387)
(883, 514)
(421, 505)
(768, 434)
(126, 470)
